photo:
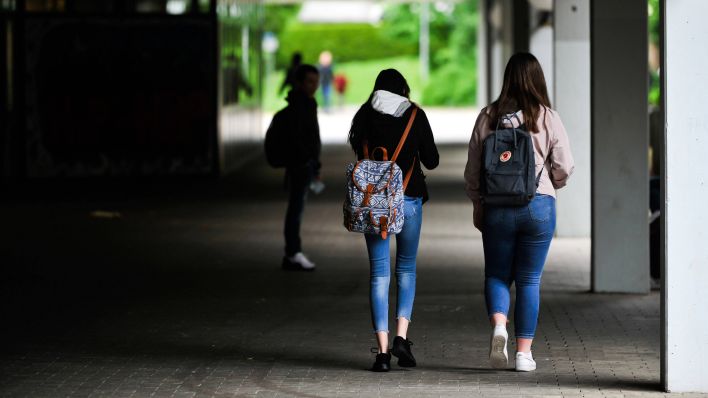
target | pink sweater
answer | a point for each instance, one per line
(550, 145)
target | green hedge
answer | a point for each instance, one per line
(453, 84)
(347, 42)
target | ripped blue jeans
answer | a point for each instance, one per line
(380, 262)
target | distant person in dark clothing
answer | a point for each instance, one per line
(303, 164)
(381, 122)
(326, 78)
(234, 82)
(290, 73)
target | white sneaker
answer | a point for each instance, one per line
(304, 262)
(525, 362)
(498, 356)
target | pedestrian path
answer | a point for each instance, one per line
(181, 295)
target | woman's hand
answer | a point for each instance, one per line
(478, 217)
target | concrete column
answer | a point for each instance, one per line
(684, 293)
(620, 176)
(501, 42)
(572, 101)
(541, 45)
(5, 92)
(482, 54)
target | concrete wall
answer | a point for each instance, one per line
(541, 45)
(620, 177)
(482, 55)
(137, 98)
(572, 101)
(501, 30)
(685, 296)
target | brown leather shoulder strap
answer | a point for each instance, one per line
(408, 175)
(407, 178)
(405, 134)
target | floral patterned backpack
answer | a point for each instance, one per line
(375, 188)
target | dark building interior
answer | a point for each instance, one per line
(127, 88)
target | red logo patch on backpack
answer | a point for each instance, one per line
(505, 156)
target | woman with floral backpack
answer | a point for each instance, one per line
(381, 123)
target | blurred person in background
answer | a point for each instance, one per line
(326, 77)
(289, 81)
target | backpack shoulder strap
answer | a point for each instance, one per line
(400, 146)
(408, 175)
(405, 134)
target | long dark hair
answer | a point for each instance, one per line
(524, 89)
(389, 80)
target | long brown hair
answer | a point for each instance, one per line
(524, 89)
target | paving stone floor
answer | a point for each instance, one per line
(176, 291)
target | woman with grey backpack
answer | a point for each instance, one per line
(518, 156)
(389, 123)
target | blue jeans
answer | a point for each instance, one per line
(380, 262)
(516, 242)
(326, 95)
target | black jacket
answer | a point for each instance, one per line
(304, 140)
(386, 131)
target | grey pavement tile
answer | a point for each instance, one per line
(217, 317)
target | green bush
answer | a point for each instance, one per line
(453, 84)
(347, 42)
(362, 75)
(278, 16)
(453, 80)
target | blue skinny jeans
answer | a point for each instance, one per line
(516, 242)
(380, 262)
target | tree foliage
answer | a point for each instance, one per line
(453, 43)
(401, 23)
(279, 16)
(654, 40)
(454, 80)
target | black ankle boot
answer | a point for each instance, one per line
(382, 364)
(402, 350)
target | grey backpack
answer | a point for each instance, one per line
(508, 175)
(375, 188)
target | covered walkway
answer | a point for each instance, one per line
(175, 290)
